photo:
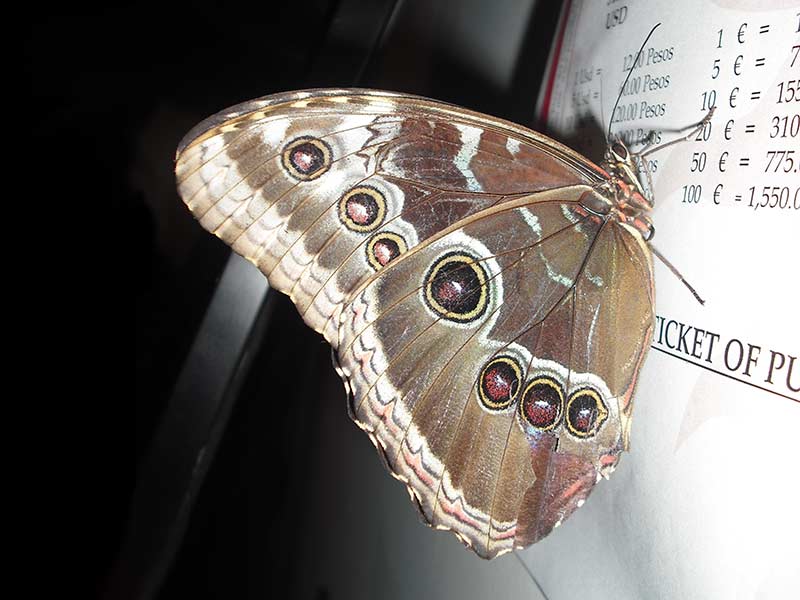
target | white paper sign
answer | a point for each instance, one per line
(706, 503)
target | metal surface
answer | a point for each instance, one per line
(186, 440)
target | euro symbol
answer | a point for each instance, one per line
(728, 127)
(737, 64)
(717, 191)
(722, 159)
(740, 36)
(732, 99)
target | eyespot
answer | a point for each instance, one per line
(499, 383)
(306, 158)
(456, 287)
(362, 209)
(542, 403)
(384, 247)
(586, 412)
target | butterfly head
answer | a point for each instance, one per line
(632, 198)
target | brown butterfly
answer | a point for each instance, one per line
(488, 292)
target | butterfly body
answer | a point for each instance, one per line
(488, 292)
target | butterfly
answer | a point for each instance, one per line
(487, 291)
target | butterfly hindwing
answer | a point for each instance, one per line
(474, 303)
(415, 371)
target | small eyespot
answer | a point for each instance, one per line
(384, 247)
(542, 403)
(499, 383)
(585, 413)
(362, 209)
(306, 158)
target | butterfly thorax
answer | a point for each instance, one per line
(623, 194)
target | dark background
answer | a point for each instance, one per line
(123, 86)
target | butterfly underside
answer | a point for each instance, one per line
(488, 320)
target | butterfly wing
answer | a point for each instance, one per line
(271, 178)
(488, 327)
(499, 389)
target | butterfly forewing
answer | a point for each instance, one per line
(238, 177)
(489, 328)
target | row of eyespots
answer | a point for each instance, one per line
(543, 403)
(456, 286)
(362, 209)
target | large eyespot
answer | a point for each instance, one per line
(306, 158)
(384, 247)
(362, 209)
(542, 403)
(586, 413)
(499, 383)
(456, 287)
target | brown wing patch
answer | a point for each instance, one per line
(445, 256)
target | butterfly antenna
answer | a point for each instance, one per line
(696, 129)
(630, 72)
(677, 274)
(530, 574)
